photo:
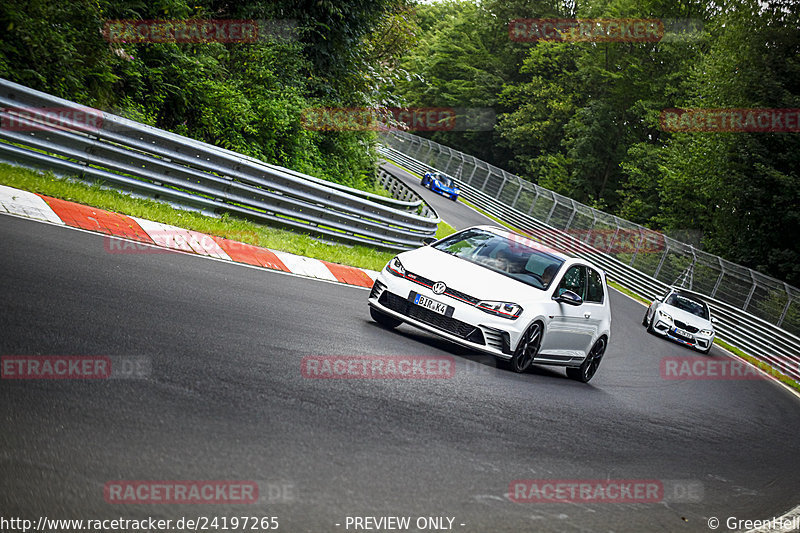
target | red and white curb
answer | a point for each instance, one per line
(133, 234)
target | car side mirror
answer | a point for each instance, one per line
(714, 321)
(427, 241)
(568, 297)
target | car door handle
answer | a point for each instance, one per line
(587, 315)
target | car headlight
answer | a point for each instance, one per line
(707, 331)
(396, 268)
(664, 315)
(504, 309)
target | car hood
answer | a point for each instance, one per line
(685, 316)
(469, 278)
(445, 187)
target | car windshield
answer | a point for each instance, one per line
(444, 180)
(516, 258)
(687, 304)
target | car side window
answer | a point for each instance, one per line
(594, 291)
(574, 280)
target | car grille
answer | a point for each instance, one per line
(687, 327)
(422, 280)
(444, 323)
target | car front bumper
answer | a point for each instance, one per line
(444, 192)
(468, 326)
(697, 341)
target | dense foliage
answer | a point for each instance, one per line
(582, 118)
(247, 97)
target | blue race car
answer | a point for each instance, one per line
(441, 184)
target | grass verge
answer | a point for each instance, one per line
(225, 226)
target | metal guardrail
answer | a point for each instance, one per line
(163, 165)
(753, 335)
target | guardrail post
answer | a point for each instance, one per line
(572, 216)
(552, 209)
(638, 246)
(516, 196)
(661, 262)
(752, 290)
(474, 168)
(719, 278)
(536, 199)
(785, 307)
(502, 185)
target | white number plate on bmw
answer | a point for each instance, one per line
(431, 304)
(683, 333)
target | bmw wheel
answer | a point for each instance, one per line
(586, 371)
(527, 348)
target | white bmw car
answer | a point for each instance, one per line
(683, 318)
(497, 292)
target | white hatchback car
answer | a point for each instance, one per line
(497, 292)
(682, 317)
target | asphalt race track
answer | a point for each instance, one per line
(224, 399)
(454, 213)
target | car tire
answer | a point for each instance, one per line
(527, 349)
(454, 198)
(384, 319)
(650, 329)
(644, 319)
(705, 352)
(589, 367)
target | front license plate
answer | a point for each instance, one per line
(683, 333)
(431, 304)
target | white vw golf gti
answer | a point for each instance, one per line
(497, 292)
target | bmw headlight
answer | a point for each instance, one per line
(396, 268)
(708, 332)
(507, 310)
(664, 315)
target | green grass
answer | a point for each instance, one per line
(444, 230)
(628, 292)
(227, 226)
(775, 373)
